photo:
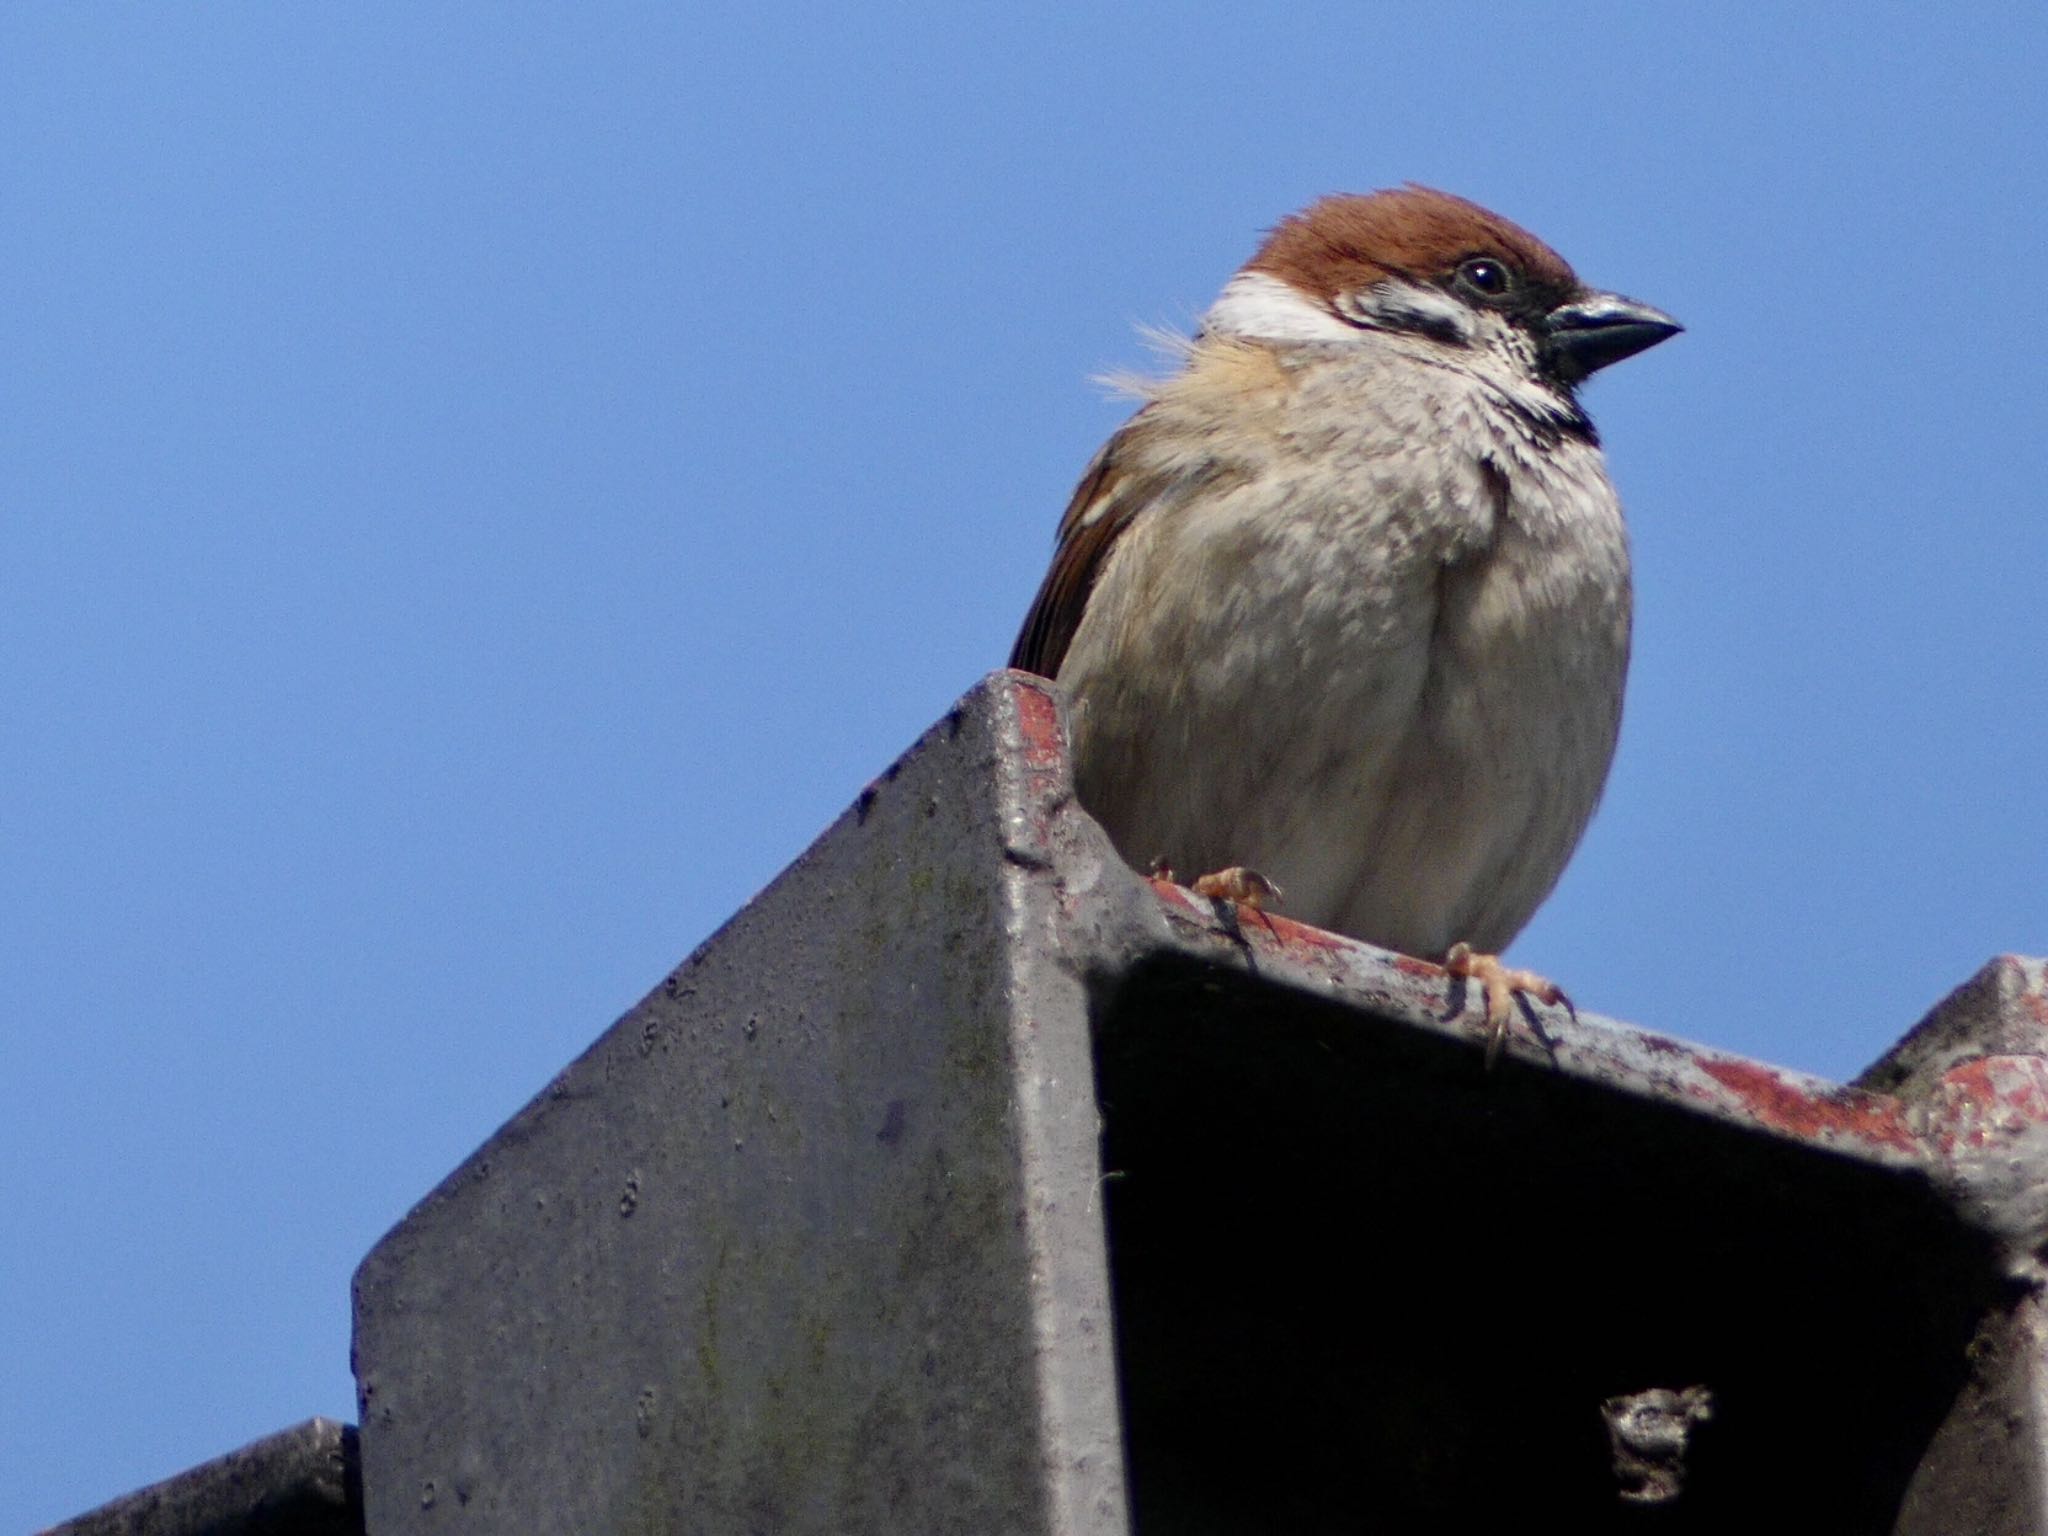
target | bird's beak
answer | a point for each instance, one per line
(1595, 329)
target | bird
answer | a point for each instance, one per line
(1342, 613)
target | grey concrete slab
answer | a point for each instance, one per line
(302, 1481)
(809, 1241)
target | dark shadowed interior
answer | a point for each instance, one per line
(1363, 1283)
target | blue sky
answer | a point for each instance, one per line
(482, 486)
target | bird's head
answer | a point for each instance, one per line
(1422, 263)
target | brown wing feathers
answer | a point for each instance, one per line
(1090, 525)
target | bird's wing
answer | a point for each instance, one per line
(1102, 507)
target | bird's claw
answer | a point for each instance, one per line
(1245, 887)
(1504, 987)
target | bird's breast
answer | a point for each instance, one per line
(1384, 669)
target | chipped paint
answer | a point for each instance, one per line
(1290, 934)
(1783, 1106)
(1276, 930)
(1989, 1102)
(1038, 723)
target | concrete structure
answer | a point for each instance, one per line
(302, 1481)
(968, 1181)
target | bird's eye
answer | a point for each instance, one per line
(1487, 277)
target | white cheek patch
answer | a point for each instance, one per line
(1395, 304)
(1262, 307)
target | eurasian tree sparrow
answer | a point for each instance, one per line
(1347, 601)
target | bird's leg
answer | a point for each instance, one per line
(1504, 987)
(1245, 887)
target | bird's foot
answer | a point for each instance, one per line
(1245, 887)
(1504, 988)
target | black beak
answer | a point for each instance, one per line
(1595, 329)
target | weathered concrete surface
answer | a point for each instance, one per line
(811, 1240)
(1975, 1081)
(302, 1481)
(827, 1234)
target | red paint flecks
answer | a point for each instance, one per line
(1294, 935)
(1783, 1107)
(1038, 721)
(1990, 1102)
(2019, 1084)
(1257, 922)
